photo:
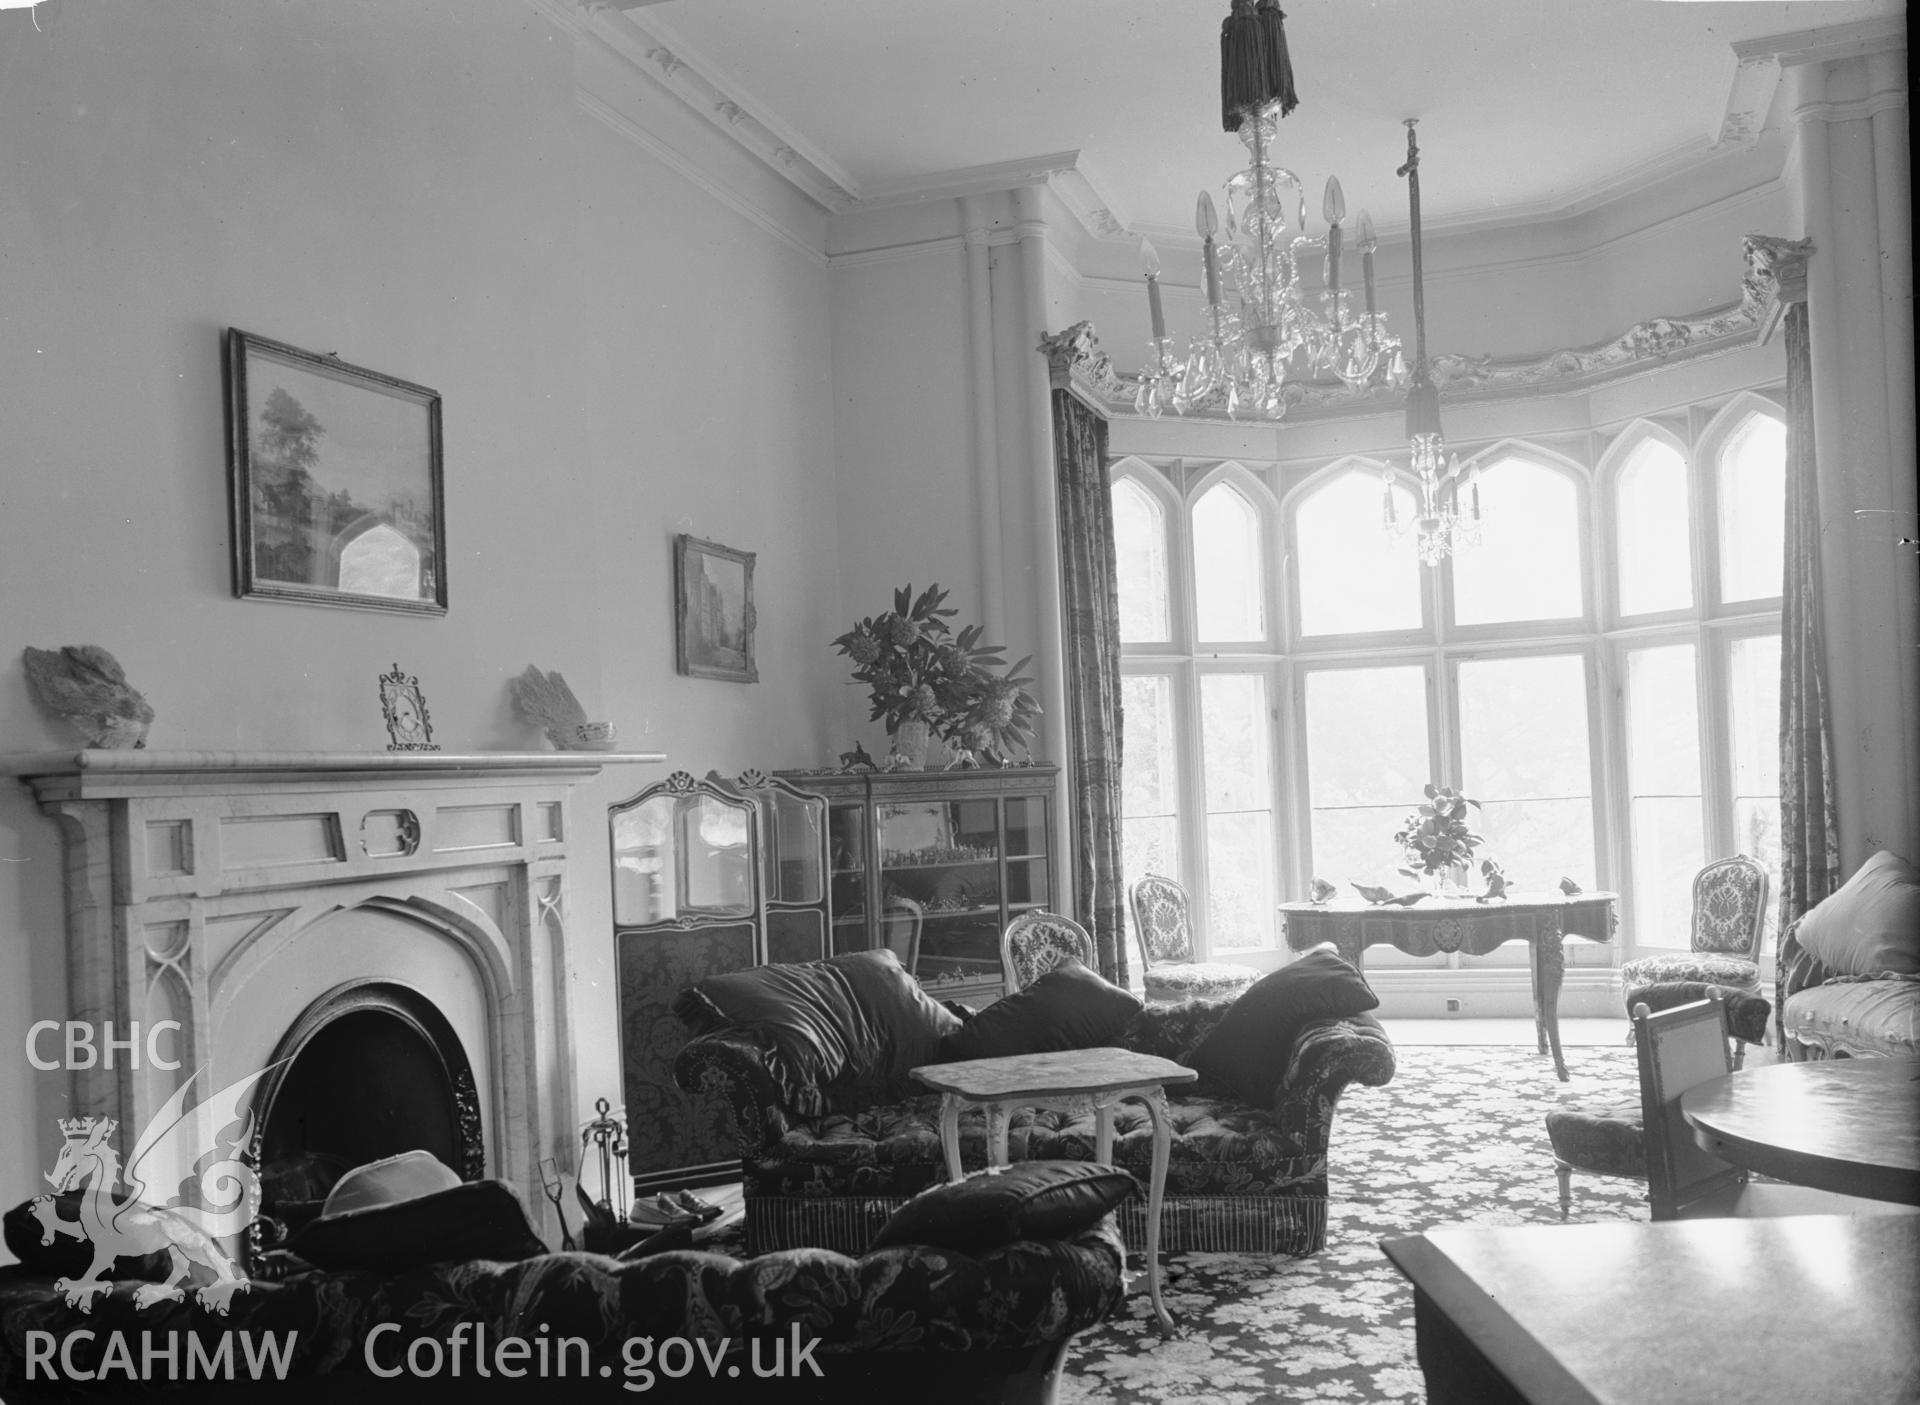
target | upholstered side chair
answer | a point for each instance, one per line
(1729, 915)
(1172, 976)
(1037, 941)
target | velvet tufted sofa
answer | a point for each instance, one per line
(915, 1322)
(1241, 1178)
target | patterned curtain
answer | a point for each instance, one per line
(1809, 836)
(1090, 599)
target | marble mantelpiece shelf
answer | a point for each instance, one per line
(100, 774)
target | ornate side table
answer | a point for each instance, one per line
(1074, 1080)
(1432, 927)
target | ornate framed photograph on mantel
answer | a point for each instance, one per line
(713, 611)
(336, 481)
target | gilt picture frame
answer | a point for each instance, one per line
(337, 492)
(713, 611)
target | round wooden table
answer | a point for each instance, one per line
(1845, 1125)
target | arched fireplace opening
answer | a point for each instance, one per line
(370, 1070)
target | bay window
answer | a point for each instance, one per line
(1600, 671)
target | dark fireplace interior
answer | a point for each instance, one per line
(376, 1070)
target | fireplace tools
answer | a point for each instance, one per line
(550, 1182)
(603, 1141)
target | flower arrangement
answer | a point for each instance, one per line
(1435, 838)
(919, 670)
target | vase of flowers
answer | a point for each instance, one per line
(926, 681)
(1437, 842)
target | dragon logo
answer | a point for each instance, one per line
(124, 1227)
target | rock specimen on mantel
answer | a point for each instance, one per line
(85, 686)
(545, 700)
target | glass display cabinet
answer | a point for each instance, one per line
(934, 864)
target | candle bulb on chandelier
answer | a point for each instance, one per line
(1207, 223)
(1365, 231)
(1389, 518)
(1150, 261)
(1333, 209)
(1473, 491)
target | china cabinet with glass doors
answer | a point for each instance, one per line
(934, 864)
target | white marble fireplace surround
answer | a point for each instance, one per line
(231, 890)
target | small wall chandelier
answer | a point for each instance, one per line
(1243, 358)
(1441, 522)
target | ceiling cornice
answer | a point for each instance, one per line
(1645, 346)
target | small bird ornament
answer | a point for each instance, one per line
(1570, 888)
(1386, 897)
(1496, 877)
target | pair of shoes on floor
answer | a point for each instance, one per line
(678, 1207)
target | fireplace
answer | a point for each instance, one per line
(369, 1071)
(382, 938)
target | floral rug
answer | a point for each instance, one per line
(1456, 1138)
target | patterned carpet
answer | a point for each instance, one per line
(1455, 1138)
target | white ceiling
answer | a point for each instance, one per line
(1525, 106)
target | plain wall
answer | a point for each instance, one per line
(412, 185)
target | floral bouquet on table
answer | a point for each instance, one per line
(924, 679)
(1435, 838)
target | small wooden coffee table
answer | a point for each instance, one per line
(1074, 1080)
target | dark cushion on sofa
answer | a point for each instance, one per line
(1070, 1007)
(1248, 1050)
(1871, 924)
(1027, 1200)
(839, 1032)
(68, 1257)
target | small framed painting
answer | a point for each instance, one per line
(713, 611)
(336, 486)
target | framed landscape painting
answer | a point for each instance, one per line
(337, 493)
(713, 611)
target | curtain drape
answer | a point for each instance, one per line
(1090, 602)
(1809, 834)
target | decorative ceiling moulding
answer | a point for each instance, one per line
(1776, 278)
(651, 51)
(1645, 346)
(1075, 363)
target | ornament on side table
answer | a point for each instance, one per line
(1436, 840)
(1386, 897)
(85, 687)
(1497, 884)
(1321, 891)
(1570, 888)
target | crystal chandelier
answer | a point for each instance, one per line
(1273, 330)
(1441, 522)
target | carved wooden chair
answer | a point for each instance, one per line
(1037, 941)
(1649, 1139)
(1679, 1049)
(1172, 976)
(1729, 915)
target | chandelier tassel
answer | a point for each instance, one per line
(1273, 45)
(1254, 67)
